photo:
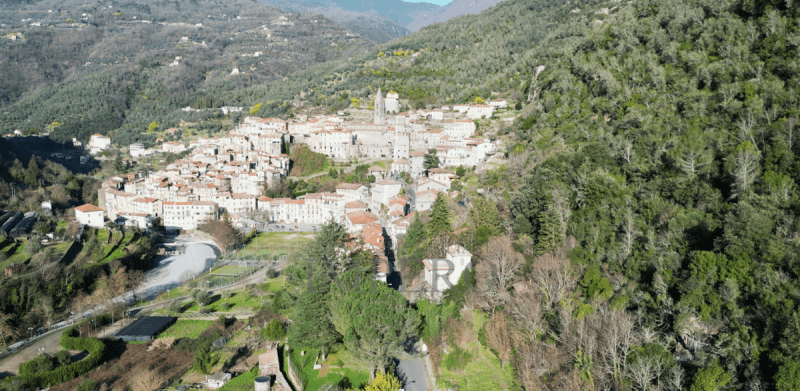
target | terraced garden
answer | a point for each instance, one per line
(184, 328)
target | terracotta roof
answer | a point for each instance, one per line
(360, 217)
(416, 153)
(398, 200)
(400, 161)
(86, 208)
(439, 171)
(348, 186)
(355, 205)
(458, 250)
(376, 168)
(432, 192)
(383, 267)
(264, 199)
(147, 200)
(373, 228)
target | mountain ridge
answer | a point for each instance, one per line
(411, 16)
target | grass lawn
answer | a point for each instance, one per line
(274, 285)
(338, 372)
(113, 251)
(483, 372)
(186, 329)
(268, 245)
(15, 253)
(231, 270)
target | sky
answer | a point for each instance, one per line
(437, 2)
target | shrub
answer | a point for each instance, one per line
(205, 310)
(175, 306)
(64, 373)
(275, 331)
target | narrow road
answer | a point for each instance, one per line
(412, 374)
(50, 341)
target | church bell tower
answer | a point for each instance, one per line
(380, 109)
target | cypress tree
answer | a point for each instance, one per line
(440, 222)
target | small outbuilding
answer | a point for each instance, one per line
(146, 328)
(218, 379)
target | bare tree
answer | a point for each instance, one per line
(498, 336)
(498, 270)
(526, 309)
(644, 370)
(616, 340)
(675, 378)
(147, 379)
(745, 168)
(552, 275)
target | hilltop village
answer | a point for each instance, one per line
(229, 174)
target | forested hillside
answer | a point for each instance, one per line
(658, 207)
(79, 69)
(661, 143)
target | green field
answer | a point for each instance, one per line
(186, 329)
(231, 270)
(15, 252)
(268, 245)
(238, 301)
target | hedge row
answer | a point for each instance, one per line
(65, 373)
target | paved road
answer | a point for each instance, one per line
(51, 341)
(10, 364)
(412, 374)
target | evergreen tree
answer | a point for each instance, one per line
(484, 221)
(311, 327)
(415, 242)
(326, 248)
(33, 171)
(440, 222)
(374, 320)
(431, 160)
(549, 235)
(204, 360)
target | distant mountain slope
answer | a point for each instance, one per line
(376, 27)
(456, 61)
(450, 11)
(412, 16)
(96, 68)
